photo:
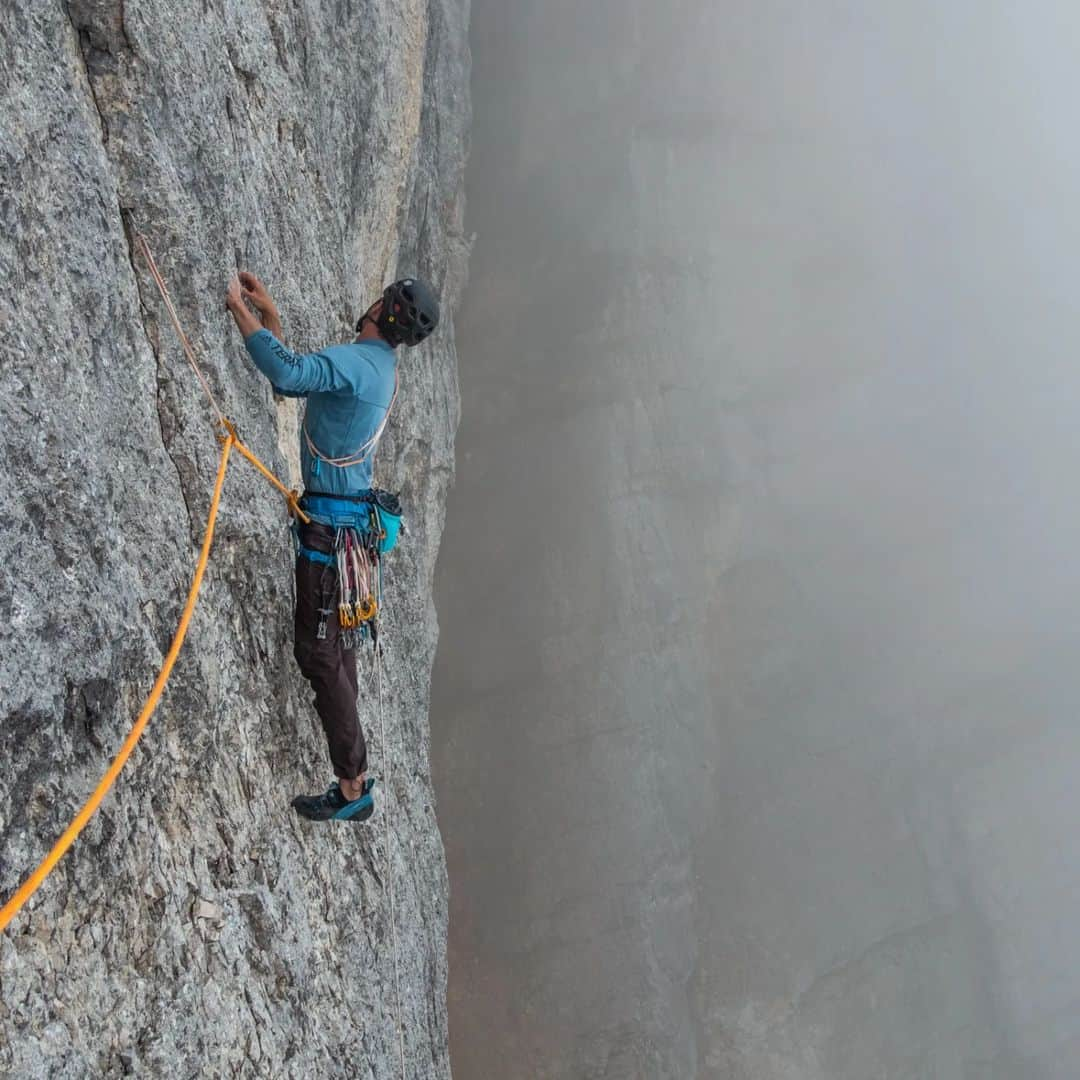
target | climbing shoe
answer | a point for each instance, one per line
(333, 806)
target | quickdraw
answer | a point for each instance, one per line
(356, 553)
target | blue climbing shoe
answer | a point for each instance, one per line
(333, 806)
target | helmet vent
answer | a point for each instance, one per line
(410, 312)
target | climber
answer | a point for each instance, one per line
(350, 389)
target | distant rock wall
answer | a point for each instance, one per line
(197, 928)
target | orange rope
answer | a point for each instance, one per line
(30, 886)
(189, 352)
(290, 496)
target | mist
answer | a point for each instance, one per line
(754, 708)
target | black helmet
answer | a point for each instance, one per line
(410, 311)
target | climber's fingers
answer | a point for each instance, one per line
(234, 296)
(255, 291)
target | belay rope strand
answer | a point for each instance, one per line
(159, 281)
(230, 441)
(30, 886)
(189, 352)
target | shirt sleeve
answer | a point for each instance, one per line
(292, 374)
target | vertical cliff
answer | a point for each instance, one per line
(198, 928)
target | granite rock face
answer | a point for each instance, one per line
(197, 928)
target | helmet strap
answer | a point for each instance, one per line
(366, 318)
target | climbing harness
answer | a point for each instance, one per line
(230, 440)
(376, 511)
(366, 527)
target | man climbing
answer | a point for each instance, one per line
(350, 389)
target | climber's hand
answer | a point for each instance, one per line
(255, 291)
(246, 323)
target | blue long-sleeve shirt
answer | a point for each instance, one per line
(349, 389)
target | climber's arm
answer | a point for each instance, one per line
(292, 374)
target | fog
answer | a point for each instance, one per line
(754, 713)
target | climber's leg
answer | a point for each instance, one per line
(329, 668)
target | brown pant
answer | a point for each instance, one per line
(329, 668)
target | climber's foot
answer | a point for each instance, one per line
(334, 806)
(353, 789)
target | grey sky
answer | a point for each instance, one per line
(754, 713)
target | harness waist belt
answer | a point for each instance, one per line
(362, 497)
(385, 501)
